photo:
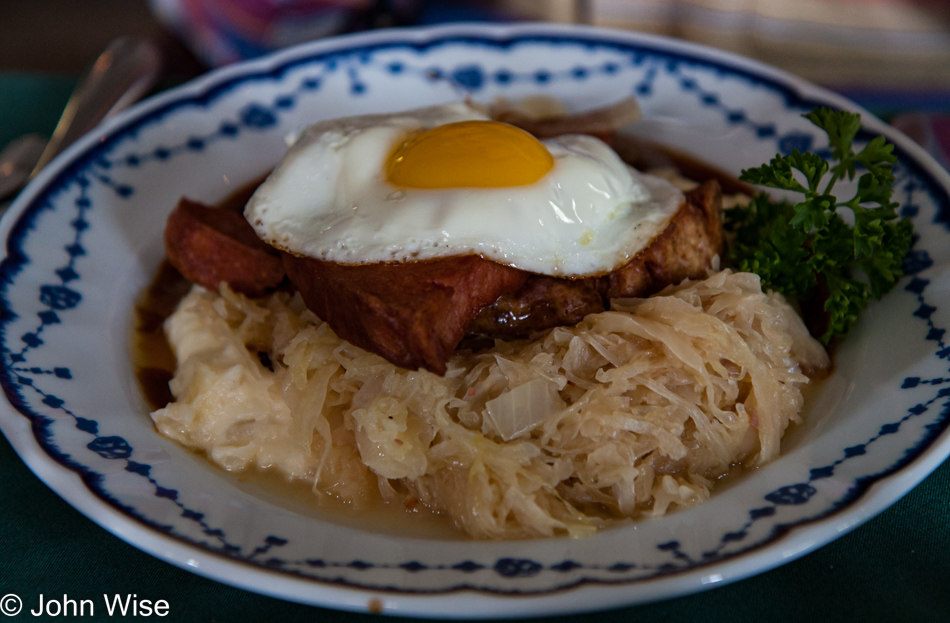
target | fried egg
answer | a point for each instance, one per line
(446, 181)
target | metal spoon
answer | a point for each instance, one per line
(123, 73)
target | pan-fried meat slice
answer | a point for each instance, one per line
(412, 314)
(684, 250)
(415, 314)
(209, 245)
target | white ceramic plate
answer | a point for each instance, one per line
(85, 238)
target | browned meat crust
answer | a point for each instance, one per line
(209, 245)
(414, 314)
(684, 250)
(542, 303)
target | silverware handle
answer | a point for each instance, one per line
(122, 74)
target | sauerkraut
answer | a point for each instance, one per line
(631, 413)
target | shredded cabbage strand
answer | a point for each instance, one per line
(631, 413)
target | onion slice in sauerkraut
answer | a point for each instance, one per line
(631, 413)
(523, 408)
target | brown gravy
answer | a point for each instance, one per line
(152, 357)
(154, 365)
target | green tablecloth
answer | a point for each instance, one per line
(894, 568)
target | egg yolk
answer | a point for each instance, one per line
(480, 154)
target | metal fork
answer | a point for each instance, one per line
(123, 73)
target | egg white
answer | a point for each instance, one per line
(329, 199)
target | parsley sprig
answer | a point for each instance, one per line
(804, 248)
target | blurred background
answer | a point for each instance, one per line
(851, 44)
(891, 56)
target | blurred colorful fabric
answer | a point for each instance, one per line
(850, 44)
(855, 43)
(900, 43)
(224, 31)
(932, 132)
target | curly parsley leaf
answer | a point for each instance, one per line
(796, 247)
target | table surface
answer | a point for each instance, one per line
(894, 568)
